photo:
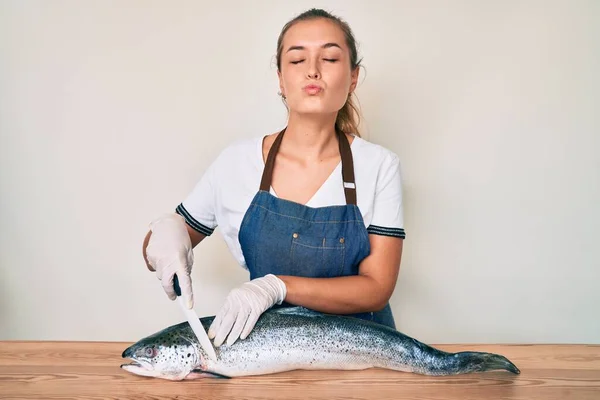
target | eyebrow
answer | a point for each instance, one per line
(325, 46)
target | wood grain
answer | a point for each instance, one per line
(90, 370)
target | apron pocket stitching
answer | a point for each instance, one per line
(319, 247)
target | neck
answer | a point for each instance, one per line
(310, 136)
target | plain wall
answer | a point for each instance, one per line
(110, 112)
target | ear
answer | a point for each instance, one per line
(280, 82)
(354, 79)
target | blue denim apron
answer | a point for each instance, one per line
(282, 237)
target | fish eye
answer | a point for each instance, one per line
(150, 352)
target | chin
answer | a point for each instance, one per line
(313, 109)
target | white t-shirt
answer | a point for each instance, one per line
(226, 189)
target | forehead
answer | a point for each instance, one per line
(314, 33)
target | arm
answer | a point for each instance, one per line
(375, 282)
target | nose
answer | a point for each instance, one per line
(313, 70)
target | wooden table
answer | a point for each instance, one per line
(90, 370)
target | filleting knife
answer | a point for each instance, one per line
(194, 322)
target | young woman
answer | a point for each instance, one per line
(314, 212)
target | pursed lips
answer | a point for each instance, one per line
(312, 89)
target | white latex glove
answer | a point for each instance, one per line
(243, 306)
(169, 252)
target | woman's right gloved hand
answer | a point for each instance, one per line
(170, 252)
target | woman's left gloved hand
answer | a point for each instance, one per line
(243, 306)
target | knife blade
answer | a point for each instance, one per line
(194, 322)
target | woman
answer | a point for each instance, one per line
(313, 212)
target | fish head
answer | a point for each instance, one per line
(167, 354)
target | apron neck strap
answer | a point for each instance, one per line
(347, 166)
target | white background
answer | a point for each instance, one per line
(111, 110)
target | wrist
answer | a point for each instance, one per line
(280, 286)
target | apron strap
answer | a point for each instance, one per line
(347, 166)
(265, 183)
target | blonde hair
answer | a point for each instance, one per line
(348, 117)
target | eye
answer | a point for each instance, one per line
(150, 352)
(331, 60)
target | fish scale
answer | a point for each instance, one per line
(290, 338)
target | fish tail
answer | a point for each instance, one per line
(471, 361)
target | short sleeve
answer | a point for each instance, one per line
(198, 208)
(388, 217)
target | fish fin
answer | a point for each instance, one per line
(198, 374)
(472, 361)
(497, 361)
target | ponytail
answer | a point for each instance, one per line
(348, 118)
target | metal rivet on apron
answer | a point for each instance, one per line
(342, 240)
(295, 235)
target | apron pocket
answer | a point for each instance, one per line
(317, 257)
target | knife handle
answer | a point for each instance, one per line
(176, 285)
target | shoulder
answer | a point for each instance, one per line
(239, 154)
(373, 158)
(244, 147)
